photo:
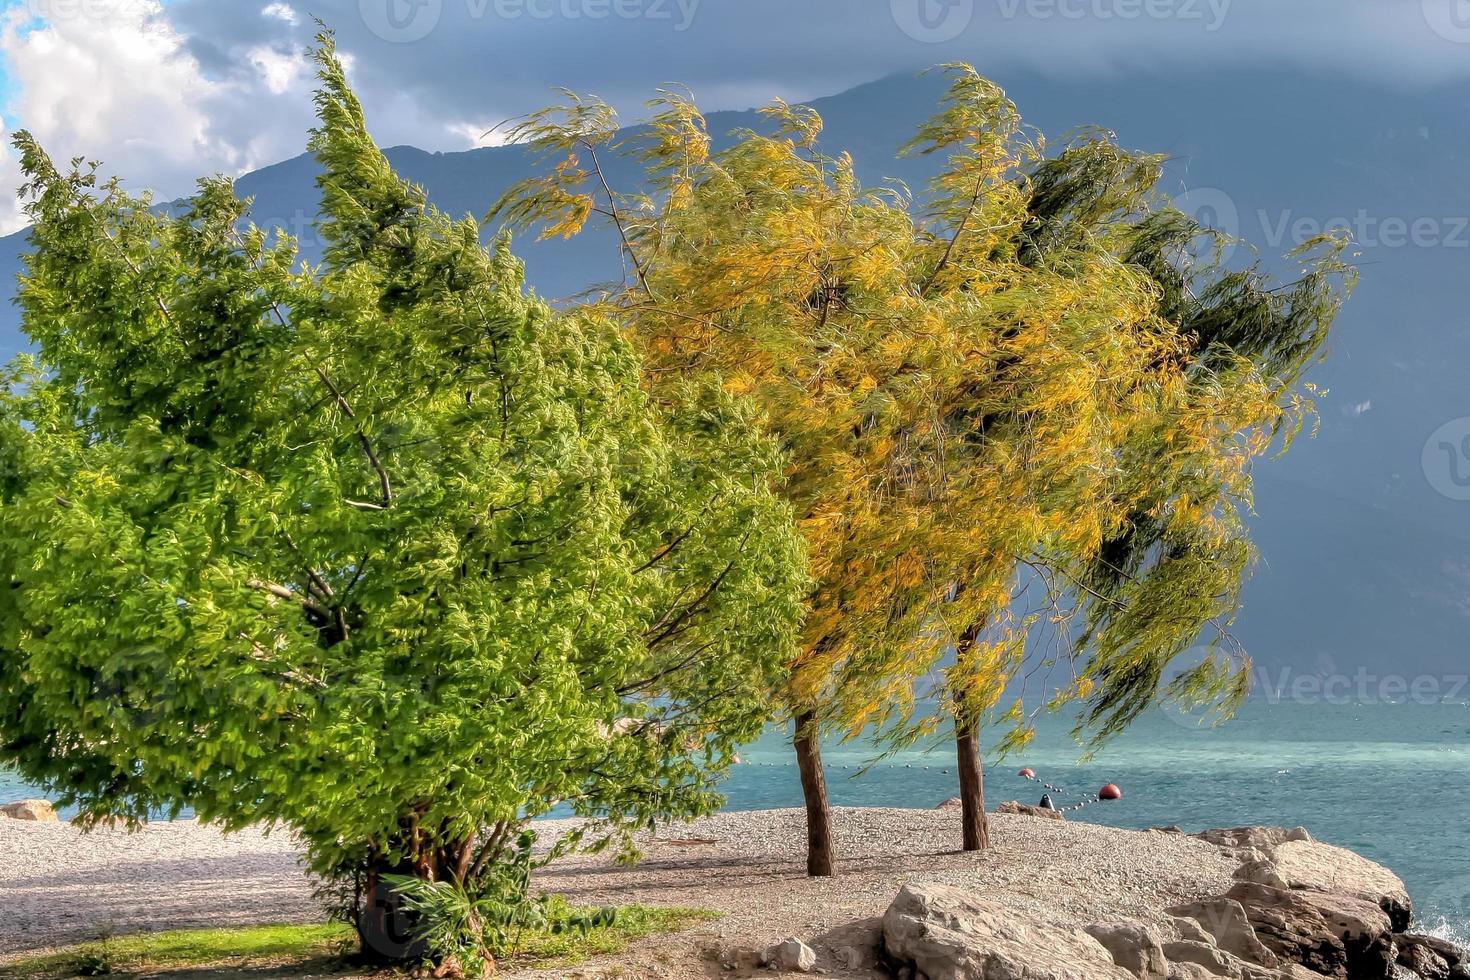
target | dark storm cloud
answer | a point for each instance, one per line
(222, 85)
(474, 59)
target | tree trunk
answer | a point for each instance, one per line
(972, 786)
(814, 788)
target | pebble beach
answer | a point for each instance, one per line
(59, 885)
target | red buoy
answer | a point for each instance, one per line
(1110, 792)
(1026, 774)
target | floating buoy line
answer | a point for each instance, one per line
(1107, 793)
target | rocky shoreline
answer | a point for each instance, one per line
(1297, 910)
(1052, 899)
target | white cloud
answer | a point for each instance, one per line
(282, 12)
(122, 87)
(280, 70)
(474, 133)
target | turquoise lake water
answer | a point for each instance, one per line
(1389, 781)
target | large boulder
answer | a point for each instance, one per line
(1324, 868)
(38, 810)
(1295, 931)
(1290, 858)
(1423, 962)
(942, 933)
(1226, 922)
(1134, 946)
(1432, 957)
(1333, 934)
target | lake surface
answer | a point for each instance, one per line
(1389, 781)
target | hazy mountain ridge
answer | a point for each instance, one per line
(1359, 551)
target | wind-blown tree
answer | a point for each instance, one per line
(1175, 563)
(385, 552)
(1175, 551)
(991, 379)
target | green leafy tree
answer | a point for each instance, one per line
(385, 552)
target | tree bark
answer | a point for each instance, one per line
(814, 789)
(972, 786)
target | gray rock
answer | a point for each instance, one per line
(1452, 955)
(1423, 962)
(1295, 971)
(1262, 873)
(1332, 934)
(792, 955)
(37, 810)
(1134, 946)
(1226, 922)
(1203, 955)
(1022, 809)
(740, 958)
(942, 933)
(1190, 929)
(1259, 838)
(1322, 867)
(1190, 971)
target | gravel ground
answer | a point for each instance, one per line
(58, 886)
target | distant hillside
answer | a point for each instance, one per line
(1364, 563)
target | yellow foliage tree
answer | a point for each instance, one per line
(1007, 376)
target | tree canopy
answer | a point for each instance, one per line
(1035, 370)
(385, 551)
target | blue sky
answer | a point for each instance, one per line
(165, 91)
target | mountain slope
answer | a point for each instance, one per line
(1364, 561)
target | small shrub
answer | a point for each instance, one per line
(96, 959)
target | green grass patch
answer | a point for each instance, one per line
(633, 922)
(150, 952)
(310, 945)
